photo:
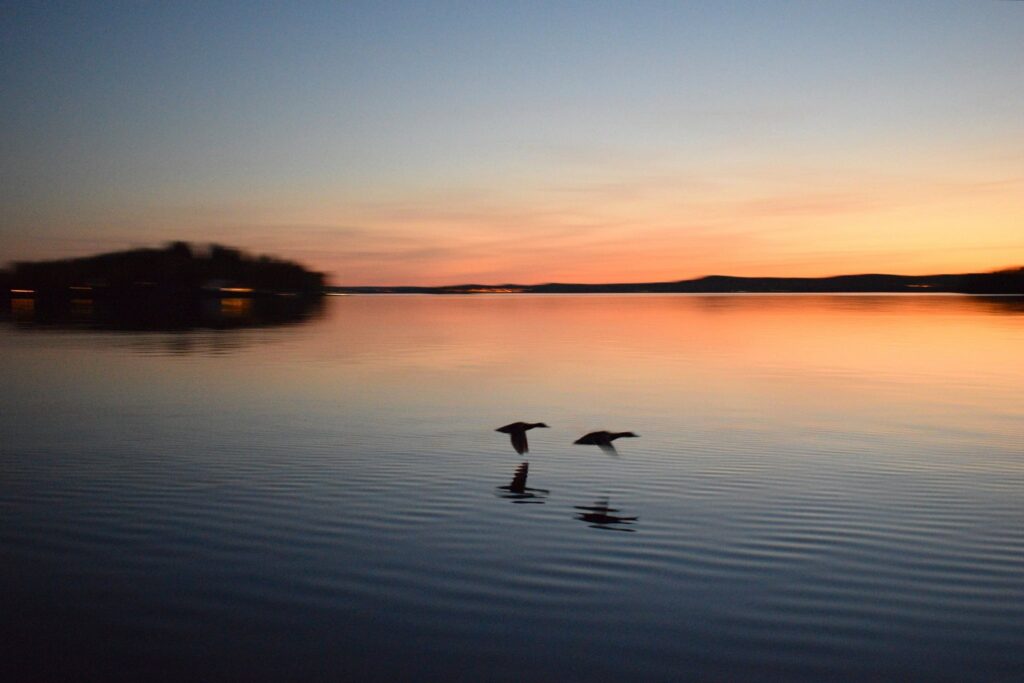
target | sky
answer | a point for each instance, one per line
(522, 142)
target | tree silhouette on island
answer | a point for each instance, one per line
(176, 271)
(176, 288)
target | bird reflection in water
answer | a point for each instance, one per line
(600, 516)
(518, 492)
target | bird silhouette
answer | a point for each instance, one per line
(603, 439)
(517, 431)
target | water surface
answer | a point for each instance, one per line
(825, 488)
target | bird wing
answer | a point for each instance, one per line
(519, 442)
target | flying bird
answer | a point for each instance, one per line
(517, 430)
(603, 439)
(598, 438)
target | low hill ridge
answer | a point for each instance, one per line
(1010, 281)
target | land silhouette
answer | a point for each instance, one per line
(181, 270)
(1009, 281)
(177, 287)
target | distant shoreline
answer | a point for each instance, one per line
(183, 271)
(1006, 282)
(1008, 295)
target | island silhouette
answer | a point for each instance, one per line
(179, 286)
(177, 269)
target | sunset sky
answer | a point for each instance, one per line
(440, 143)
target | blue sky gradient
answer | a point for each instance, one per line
(433, 142)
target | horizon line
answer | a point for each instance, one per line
(1005, 269)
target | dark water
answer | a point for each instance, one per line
(825, 488)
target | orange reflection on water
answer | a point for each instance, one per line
(537, 334)
(236, 307)
(81, 308)
(680, 361)
(23, 309)
(798, 369)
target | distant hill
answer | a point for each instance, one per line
(177, 270)
(999, 282)
(183, 270)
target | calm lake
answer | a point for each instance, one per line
(824, 488)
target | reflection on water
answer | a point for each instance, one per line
(518, 492)
(159, 314)
(176, 327)
(238, 308)
(82, 309)
(207, 342)
(1006, 305)
(599, 516)
(826, 488)
(23, 309)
